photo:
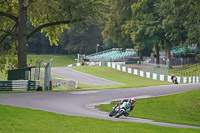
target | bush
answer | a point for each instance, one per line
(198, 57)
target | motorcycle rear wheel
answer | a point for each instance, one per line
(119, 114)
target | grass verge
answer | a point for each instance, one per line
(182, 108)
(129, 80)
(21, 120)
(186, 70)
(59, 60)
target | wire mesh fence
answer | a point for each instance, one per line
(155, 68)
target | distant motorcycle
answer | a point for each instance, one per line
(174, 80)
(120, 110)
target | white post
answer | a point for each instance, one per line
(78, 58)
(97, 48)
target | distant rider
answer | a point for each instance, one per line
(131, 103)
(174, 79)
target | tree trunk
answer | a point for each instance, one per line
(157, 54)
(22, 36)
(80, 50)
(168, 47)
(140, 56)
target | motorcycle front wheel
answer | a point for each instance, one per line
(110, 114)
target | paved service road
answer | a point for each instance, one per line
(81, 103)
(81, 77)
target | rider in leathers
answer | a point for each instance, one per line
(131, 102)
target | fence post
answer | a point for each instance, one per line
(47, 76)
(37, 69)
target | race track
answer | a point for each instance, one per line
(81, 103)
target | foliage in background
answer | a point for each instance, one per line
(144, 27)
(120, 12)
(181, 19)
(138, 23)
(48, 16)
(82, 41)
(39, 44)
(198, 57)
(160, 23)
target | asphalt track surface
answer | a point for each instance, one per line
(81, 103)
(81, 77)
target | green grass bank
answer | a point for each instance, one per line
(59, 60)
(182, 108)
(22, 120)
(129, 80)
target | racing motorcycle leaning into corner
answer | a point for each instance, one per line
(174, 79)
(123, 108)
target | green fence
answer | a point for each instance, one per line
(5, 85)
(19, 85)
(19, 74)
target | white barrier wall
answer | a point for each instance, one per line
(179, 79)
(162, 77)
(142, 73)
(169, 78)
(184, 79)
(109, 64)
(148, 74)
(123, 68)
(135, 71)
(155, 76)
(129, 70)
(118, 67)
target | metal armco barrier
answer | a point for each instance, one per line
(19, 85)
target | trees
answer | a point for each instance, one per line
(134, 22)
(120, 12)
(172, 16)
(39, 44)
(139, 23)
(154, 24)
(144, 26)
(180, 20)
(48, 16)
(82, 41)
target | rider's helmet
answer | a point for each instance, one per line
(132, 100)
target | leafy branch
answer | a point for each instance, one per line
(9, 16)
(48, 25)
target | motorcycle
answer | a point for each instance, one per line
(175, 80)
(119, 110)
